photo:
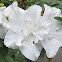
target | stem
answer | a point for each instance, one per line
(49, 59)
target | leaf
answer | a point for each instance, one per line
(58, 18)
(9, 59)
(18, 56)
(48, 3)
(7, 1)
(1, 42)
(54, 5)
(3, 50)
(19, 0)
(41, 3)
(42, 53)
(1, 58)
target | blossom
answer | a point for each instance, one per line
(4, 24)
(30, 32)
(53, 40)
(27, 28)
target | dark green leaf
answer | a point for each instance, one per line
(1, 58)
(41, 3)
(19, 56)
(54, 5)
(48, 3)
(19, 0)
(3, 50)
(9, 59)
(7, 1)
(1, 42)
(58, 18)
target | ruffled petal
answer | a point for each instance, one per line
(33, 12)
(4, 24)
(31, 50)
(57, 35)
(51, 12)
(9, 9)
(13, 40)
(51, 46)
(16, 19)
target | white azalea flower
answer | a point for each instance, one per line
(53, 40)
(4, 24)
(30, 32)
(27, 28)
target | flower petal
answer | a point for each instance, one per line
(9, 9)
(10, 39)
(57, 35)
(13, 40)
(33, 12)
(4, 24)
(51, 12)
(16, 19)
(31, 50)
(3, 31)
(51, 46)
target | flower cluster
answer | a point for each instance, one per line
(29, 32)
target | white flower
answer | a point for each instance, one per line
(27, 28)
(30, 32)
(53, 40)
(4, 24)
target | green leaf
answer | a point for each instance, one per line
(58, 18)
(3, 50)
(1, 58)
(1, 42)
(41, 3)
(19, 0)
(48, 3)
(42, 53)
(19, 56)
(9, 59)
(54, 5)
(7, 1)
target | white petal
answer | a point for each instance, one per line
(9, 9)
(51, 12)
(33, 12)
(12, 39)
(57, 34)
(4, 24)
(3, 31)
(31, 50)
(16, 19)
(51, 46)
